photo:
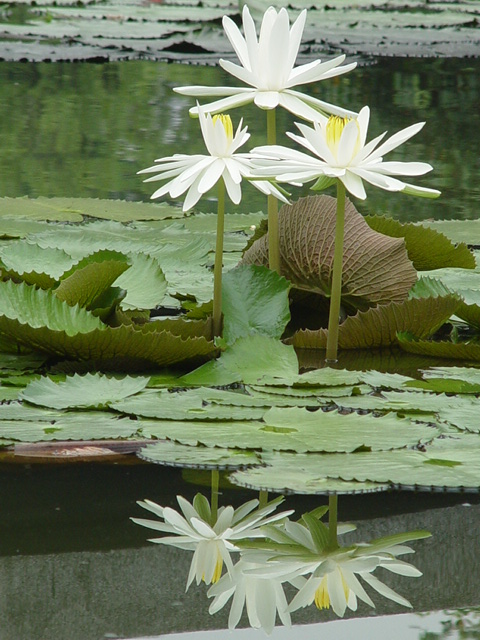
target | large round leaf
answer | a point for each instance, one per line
(376, 268)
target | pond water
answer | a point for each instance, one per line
(72, 565)
(84, 130)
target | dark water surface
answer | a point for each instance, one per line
(84, 130)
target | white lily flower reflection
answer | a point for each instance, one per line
(197, 174)
(340, 152)
(334, 582)
(262, 597)
(267, 66)
(211, 541)
(333, 574)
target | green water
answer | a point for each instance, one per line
(84, 130)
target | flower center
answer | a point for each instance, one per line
(334, 130)
(217, 573)
(322, 597)
(226, 122)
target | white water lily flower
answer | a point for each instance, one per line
(262, 597)
(197, 174)
(267, 66)
(340, 152)
(212, 542)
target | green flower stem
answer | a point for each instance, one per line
(332, 521)
(334, 315)
(262, 498)
(214, 495)
(273, 231)
(218, 266)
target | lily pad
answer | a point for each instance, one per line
(426, 247)
(88, 391)
(379, 327)
(177, 455)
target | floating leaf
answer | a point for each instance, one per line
(252, 359)
(443, 349)
(376, 268)
(90, 278)
(91, 390)
(144, 283)
(296, 430)
(178, 455)
(298, 473)
(185, 405)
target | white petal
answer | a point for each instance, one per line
(236, 40)
(316, 71)
(404, 168)
(202, 528)
(237, 605)
(242, 74)
(379, 180)
(238, 99)
(250, 34)
(348, 142)
(266, 605)
(153, 524)
(397, 139)
(234, 189)
(211, 176)
(224, 520)
(151, 506)
(199, 91)
(187, 508)
(336, 592)
(276, 54)
(296, 33)
(319, 105)
(354, 185)
(385, 591)
(267, 99)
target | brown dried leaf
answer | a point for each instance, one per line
(376, 268)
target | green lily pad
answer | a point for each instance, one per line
(91, 390)
(254, 301)
(379, 326)
(296, 429)
(426, 247)
(178, 455)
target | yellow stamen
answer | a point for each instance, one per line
(227, 124)
(218, 570)
(334, 130)
(322, 599)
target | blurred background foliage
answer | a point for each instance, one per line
(84, 130)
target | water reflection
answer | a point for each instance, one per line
(275, 554)
(79, 130)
